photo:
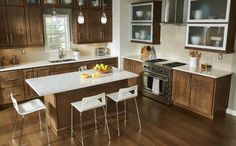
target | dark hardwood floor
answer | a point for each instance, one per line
(161, 126)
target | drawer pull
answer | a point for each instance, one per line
(11, 80)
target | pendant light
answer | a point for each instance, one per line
(54, 13)
(80, 18)
(104, 16)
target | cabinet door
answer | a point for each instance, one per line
(5, 93)
(2, 2)
(83, 29)
(17, 27)
(29, 92)
(41, 72)
(202, 90)
(34, 26)
(181, 88)
(15, 2)
(127, 64)
(4, 37)
(96, 33)
(107, 28)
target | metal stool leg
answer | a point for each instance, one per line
(81, 129)
(72, 118)
(40, 122)
(137, 113)
(22, 124)
(125, 109)
(106, 123)
(95, 119)
(46, 126)
(117, 119)
(14, 131)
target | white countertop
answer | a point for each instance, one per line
(25, 65)
(71, 81)
(214, 73)
(135, 57)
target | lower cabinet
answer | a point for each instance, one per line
(135, 67)
(11, 82)
(33, 73)
(203, 95)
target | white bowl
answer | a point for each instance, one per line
(139, 13)
(67, 1)
(196, 40)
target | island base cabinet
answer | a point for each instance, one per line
(200, 94)
(59, 106)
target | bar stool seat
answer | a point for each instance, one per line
(122, 95)
(26, 108)
(86, 104)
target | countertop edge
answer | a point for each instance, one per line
(47, 63)
(204, 74)
(133, 58)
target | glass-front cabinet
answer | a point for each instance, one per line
(142, 32)
(207, 36)
(50, 2)
(33, 2)
(142, 12)
(208, 10)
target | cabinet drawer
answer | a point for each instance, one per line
(11, 79)
(5, 94)
(59, 69)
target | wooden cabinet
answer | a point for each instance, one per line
(145, 22)
(60, 69)
(211, 25)
(181, 88)
(135, 67)
(4, 37)
(203, 95)
(33, 73)
(11, 82)
(34, 23)
(92, 31)
(15, 2)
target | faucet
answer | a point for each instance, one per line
(61, 52)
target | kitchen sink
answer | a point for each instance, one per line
(61, 60)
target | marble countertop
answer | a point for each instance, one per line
(71, 81)
(214, 73)
(25, 65)
(135, 57)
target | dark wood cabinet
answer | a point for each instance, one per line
(107, 28)
(95, 26)
(16, 25)
(33, 73)
(203, 95)
(135, 67)
(34, 24)
(83, 29)
(15, 2)
(4, 38)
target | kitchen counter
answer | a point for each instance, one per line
(72, 81)
(135, 57)
(25, 65)
(214, 73)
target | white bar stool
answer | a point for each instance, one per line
(89, 103)
(123, 95)
(27, 108)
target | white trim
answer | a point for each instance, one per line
(142, 4)
(231, 112)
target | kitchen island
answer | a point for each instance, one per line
(61, 90)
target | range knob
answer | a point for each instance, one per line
(146, 66)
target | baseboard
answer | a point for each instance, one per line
(231, 112)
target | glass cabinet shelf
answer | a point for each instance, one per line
(207, 36)
(142, 32)
(208, 10)
(142, 12)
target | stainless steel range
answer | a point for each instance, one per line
(157, 79)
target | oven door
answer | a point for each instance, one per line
(155, 83)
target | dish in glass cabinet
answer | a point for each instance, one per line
(195, 40)
(139, 13)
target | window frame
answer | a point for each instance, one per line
(67, 32)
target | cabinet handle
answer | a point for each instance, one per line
(79, 36)
(11, 38)
(11, 80)
(7, 36)
(101, 34)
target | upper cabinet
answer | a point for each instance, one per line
(15, 2)
(211, 25)
(33, 3)
(145, 22)
(209, 11)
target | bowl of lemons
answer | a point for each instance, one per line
(102, 68)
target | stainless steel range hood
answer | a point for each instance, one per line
(174, 11)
